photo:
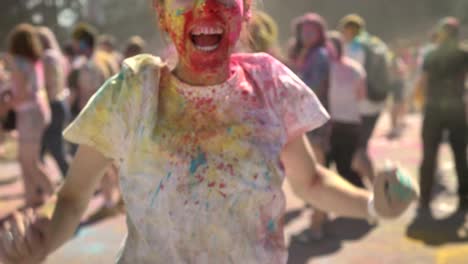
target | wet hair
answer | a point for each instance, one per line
(24, 41)
(85, 34)
(296, 44)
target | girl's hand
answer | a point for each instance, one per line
(394, 191)
(23, 239)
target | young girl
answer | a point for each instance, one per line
(199, 149)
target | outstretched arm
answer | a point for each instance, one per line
(85, 173)
(26, 240)
(393, 191)
(319, 186)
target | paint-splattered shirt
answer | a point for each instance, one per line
(200, 167)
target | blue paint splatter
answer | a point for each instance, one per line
(271, 226)
(158, 189)
(229, 130)
(197, 162)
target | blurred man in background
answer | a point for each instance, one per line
(443, 81)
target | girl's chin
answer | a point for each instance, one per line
(215, 59)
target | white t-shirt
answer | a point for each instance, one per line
(200, 167)
(347, 88)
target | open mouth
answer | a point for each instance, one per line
(207, 38)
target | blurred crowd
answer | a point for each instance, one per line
(44, 85)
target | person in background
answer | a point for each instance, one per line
(98, 67)
(347, 90)
(262, 35)
(398, 82)
(5, 100)
(32, 110)
(93, 71)
(107, 44)
(432, 43)
(135, 46)
(55, 66)
(309, 58)
(445, 69)
(372, 54)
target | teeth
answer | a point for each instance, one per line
(207, 31)
(207, 48)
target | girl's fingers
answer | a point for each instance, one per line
(35, 237)
(19, 231)
(7, 243)
(35, 243)
(27, 221)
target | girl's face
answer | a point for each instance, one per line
(204, 32)
(310, 34)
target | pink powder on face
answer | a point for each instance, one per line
(208, 13)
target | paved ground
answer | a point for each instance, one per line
(442, 240)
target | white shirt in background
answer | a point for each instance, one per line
(347, 89)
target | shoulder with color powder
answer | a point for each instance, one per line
(254, 59)
(139, 63)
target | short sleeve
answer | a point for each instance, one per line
(106, 121)
(295, 102)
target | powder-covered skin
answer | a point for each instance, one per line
(181, 16)
(200, 166)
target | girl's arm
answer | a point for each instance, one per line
(393, 190)
(319, 186)
(29, 240)
(84, 174)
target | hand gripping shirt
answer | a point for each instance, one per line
(200, 168)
